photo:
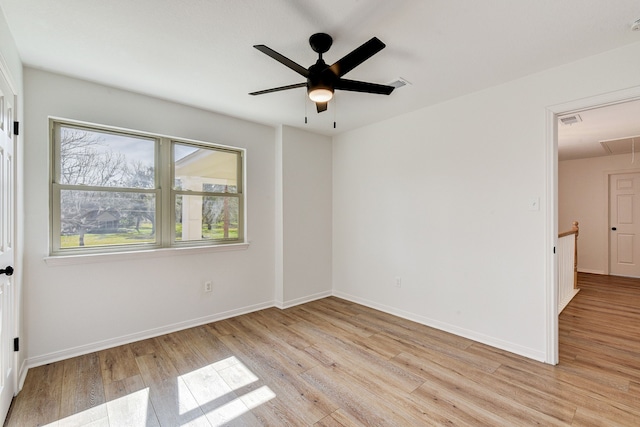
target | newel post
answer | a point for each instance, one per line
(576, 229)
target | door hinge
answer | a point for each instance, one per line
(554, 249)
(16, 128)
(16, 344)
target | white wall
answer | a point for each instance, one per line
(9, 52)
(306, 215)
(440, 197)
(76, 308)
(583, 197)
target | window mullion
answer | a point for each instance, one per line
(104, 189)
(166, 210)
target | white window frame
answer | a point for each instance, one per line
(165, 194)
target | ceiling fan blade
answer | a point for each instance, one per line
(321, 106)
(357, 86)
(278, 89)
(357, 57)
(283, 60)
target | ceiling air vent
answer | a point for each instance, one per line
(399, 82)
(569, 120)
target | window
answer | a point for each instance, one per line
(115, 190)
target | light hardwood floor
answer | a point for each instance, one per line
(335, 363)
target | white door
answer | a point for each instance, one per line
(7, 235)
(624, 224)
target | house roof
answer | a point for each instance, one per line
(208, 166)
(200, 52)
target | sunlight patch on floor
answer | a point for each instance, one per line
(132, 410)
(214, 387)
(206, 396)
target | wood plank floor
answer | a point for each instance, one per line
(335, 363)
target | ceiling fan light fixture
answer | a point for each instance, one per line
(320, 94)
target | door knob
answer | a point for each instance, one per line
(613, 228)
(8, 271)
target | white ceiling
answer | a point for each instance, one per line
(199, 52)
(613, 122)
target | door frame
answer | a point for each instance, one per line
(551, 228)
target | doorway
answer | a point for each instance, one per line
(601, 228)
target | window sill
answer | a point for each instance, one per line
(152, 253)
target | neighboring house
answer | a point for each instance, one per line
(105, 221)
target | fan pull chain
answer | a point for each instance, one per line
(335, 107)
(305, 108)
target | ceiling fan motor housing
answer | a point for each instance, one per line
(320, 77)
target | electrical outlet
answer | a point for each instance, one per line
(208, 286)
(398, 282)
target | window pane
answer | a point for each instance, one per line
(205, 169)
(206, 218)
(101, 159)
(99, 218)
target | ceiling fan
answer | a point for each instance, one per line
(323, 79)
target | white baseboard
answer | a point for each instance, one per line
(485, 339)
(587, 270)
(303, 300)
(138, 336)
(566, 300)
(22, 375)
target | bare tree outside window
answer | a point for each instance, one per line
(105, 162)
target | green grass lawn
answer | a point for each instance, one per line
(215, 233)
(133, 236)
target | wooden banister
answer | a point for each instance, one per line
(575, 230)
